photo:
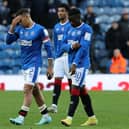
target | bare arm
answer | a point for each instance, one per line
(15, 21)
(50, 68)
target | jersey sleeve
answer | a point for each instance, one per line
(66, 47)
(47, 43)
(84, 46)
(54, 35)
(11, 37)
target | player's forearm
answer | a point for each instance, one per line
(15, 21)
(66, 47)
(79, 54)
(12, 29)
(50, 63)
(48, 48)
(11, 38)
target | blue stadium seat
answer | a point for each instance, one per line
(115, 17)
(15, 46)
(102, 19)
(104, 27)
(98, 11)
(107, 10)
(116, 10)
(3, 28)
(8, 72)
(43, 70)
(125, 3)
(104, 62)
(3, 55)
(1, 72)
(44, 54)
(100, 49)
(3, 45)
(3, 36)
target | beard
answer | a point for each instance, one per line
(62, 18)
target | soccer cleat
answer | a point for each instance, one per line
(44, 120)
(17, 121)
(66, 122)
(52, 109)
(90, 121)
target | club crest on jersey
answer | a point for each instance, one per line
(26, 34)
(57, 29)
(73, 33)
(21, 32)
(60, 36)
(62, 28)
(32, 33)
(69, 32)
(78, 32)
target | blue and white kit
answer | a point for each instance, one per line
(61, 66)
(31, 40)
(81, 34)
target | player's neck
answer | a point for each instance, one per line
(30, 23)
(63, 21)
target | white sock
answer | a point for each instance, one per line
(21, 117)
(92, 116)
(43, 107)
(54, 105)
(45, 115)
(70, 117)
(25, 108)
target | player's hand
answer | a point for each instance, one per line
(73, 69)
(16, 20)
(49, 73)
(75, 46)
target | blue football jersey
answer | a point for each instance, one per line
(31, 40)
(60, 30)
(81, 34)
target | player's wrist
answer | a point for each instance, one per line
(71, 46)
(11, 30)
(74, 64)
(50, 62)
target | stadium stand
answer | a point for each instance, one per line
(106, 12)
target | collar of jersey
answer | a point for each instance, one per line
(80, 25)
(64, 23)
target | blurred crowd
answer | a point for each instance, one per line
(109, 20)
(42, 11)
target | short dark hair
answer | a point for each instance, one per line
(63, 5)
(23, 11)
(74, 11)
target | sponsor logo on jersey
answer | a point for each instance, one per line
(26, 42)
(60, 36)
(72, 41)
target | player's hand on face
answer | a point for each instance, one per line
(75, 45)
(16, 20)
(73, 69)
(49, 73)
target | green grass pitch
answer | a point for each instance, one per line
(111, 108)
